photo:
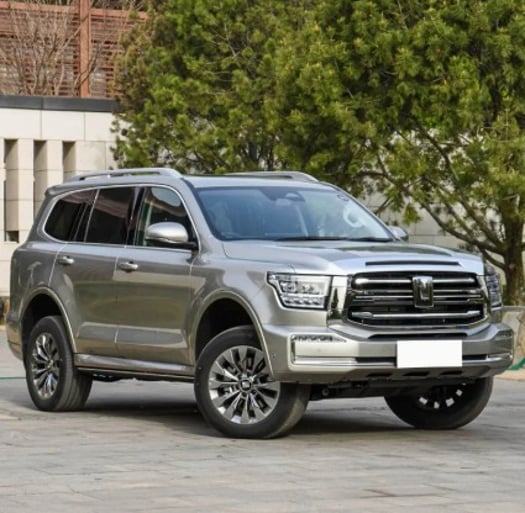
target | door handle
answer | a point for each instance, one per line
(128, 266)
(65, 260)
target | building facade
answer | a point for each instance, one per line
(43, 141)
(57, 62)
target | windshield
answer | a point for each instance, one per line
(286, 213)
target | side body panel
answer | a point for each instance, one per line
(152, 305)
(31, 269)
(84, 280)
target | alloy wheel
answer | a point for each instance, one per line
(440, 398)
(240, 386)
(45, 365)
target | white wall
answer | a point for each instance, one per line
(40, 148)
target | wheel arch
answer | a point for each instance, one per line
(223, 313)
(43, 304)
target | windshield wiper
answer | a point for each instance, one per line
(371, 239)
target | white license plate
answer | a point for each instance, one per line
(429, 353)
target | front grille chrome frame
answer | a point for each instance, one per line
(386, 300)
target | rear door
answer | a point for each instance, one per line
(85, 268)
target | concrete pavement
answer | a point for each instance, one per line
(10, 367)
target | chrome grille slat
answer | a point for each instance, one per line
(472, 281)
(408, 281)
(380, 299)
(366, 281)
(406, 295)
(393, 300)
(387, 299)
(371, 315)
(469, 302)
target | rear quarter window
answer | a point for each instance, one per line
(69, 215)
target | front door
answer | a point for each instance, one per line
(155, 286)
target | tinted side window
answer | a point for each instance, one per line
(110, 218)
(68, 216)
(161, 205)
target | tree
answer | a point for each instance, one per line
(196, 85)
(431, 95)
(423, 100)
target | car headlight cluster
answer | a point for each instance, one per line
(301, 290)
(493, 287)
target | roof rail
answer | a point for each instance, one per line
(115, 173)
(293, 175)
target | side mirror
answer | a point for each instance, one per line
(169, 234)
(399, 233)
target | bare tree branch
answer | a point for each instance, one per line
(464, 233)
(39, 55)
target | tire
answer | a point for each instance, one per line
(53, 382)
(250, 404)
(444, 406)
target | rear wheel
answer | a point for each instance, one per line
(443, 407)
(236, 394)
(52, 380)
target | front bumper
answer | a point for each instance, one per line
(333, 355)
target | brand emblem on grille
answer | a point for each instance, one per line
(423, 291)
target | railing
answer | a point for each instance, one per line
(62, 50)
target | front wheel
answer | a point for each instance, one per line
(443, 406)
(236, 394)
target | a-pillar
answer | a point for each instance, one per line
(19, 189)
(48, 168)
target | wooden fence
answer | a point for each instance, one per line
(61, 50)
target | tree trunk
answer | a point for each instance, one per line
(513, 258)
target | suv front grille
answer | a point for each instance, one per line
(396, 299)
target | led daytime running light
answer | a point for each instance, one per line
(301, 291)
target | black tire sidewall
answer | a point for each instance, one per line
(54, 326)
(475, 398)
(267, 428)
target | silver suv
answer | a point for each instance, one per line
(266, 290)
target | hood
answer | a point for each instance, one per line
(342, 257)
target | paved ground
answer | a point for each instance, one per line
(143, 447)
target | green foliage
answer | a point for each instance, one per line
(427, 98)
(422, 99)
(197, 85)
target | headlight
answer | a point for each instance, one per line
(493, 287)
(301, 290)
